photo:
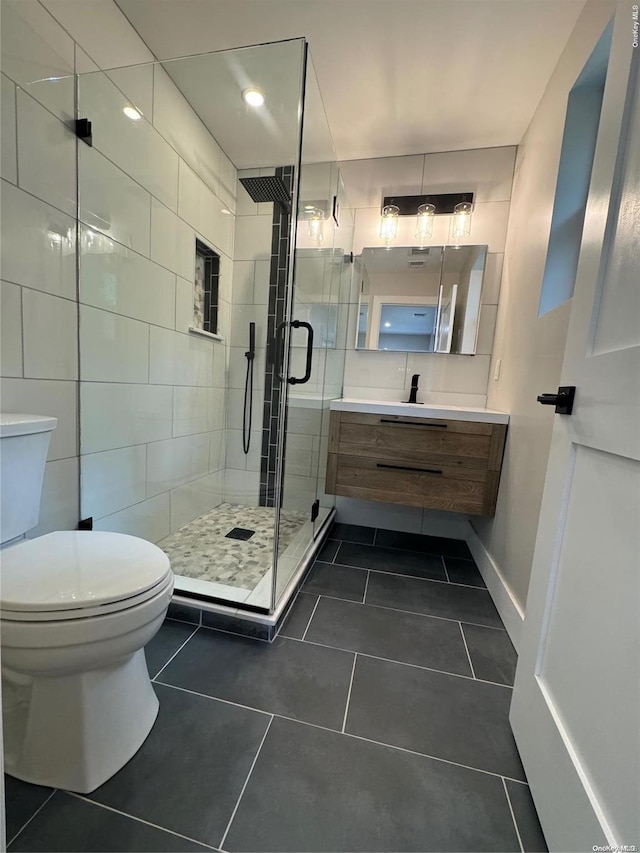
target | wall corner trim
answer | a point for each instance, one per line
(505, 601)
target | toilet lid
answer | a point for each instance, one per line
(70, 570)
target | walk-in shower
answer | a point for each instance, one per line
(211, 327)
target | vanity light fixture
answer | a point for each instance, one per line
(316, 224)
(424, 221)
(389, 223)
(253, 97)
(425, 208)
(132, 113)
(461, 220)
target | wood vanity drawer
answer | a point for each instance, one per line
(441, 488)
(457, 443)
(428, 462)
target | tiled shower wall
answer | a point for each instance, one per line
(39, 308)
(250, 297)
(153, 396)
(278, 280)
(154, 399)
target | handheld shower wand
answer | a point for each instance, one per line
(247, 411)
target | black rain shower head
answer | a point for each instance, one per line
(269, 188)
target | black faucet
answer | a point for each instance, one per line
(414, 389)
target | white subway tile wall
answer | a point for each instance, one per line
(165, 386)
(153, 397)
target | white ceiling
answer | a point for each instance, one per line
(396, 76)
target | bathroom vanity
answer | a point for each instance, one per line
(440, 457)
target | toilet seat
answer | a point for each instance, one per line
(79, 575)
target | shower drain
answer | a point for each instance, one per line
(239, 533)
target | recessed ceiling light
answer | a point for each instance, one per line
(226, 211)
(253, 97)
(387, 325)
(132, 113)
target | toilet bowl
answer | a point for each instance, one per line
(77, 608)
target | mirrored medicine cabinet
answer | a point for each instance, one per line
(420, 299)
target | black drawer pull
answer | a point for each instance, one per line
(411, 423)
(408, 468)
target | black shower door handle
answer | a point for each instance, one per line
(278, 355)
(297, 324)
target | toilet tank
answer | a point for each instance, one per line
(24, 443)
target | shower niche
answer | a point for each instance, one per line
(194, 265)
(205, 289)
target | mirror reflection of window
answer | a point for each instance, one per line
(406, 328)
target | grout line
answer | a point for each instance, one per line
(366, 587)
(15, 108)
(400, 610)
(422, 754)
(337, 552)
(513, 817)
(313, 613)
(25, 825)
(375, 535)
(246, 782)
(162, 669)
(235, 634)
(413, 577)
(446, 573)
(464, 640)
(346, 710)
(402, 662)
(413, 550)
(181, 621)
(22, 342)
(224, 701)
(444, 618)
(346, 734)
(84, 799)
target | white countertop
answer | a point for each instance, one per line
(418, 410)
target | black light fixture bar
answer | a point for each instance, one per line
(444, 202)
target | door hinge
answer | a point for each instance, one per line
(86, 523)
(315, 510)
(83, 131)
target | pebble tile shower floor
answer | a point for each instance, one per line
(376, 721)
(202, 550)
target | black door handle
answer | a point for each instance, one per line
(563, 400)
(297, 324)
(278, 354)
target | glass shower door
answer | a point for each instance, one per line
(311, 334)
(183, 227)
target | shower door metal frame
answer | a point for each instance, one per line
(286, 350)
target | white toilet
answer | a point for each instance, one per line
(77, 608)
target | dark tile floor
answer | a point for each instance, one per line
(376, 721)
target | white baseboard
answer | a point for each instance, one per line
(506, 603)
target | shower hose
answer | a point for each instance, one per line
(248, 403)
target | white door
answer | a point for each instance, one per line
(576, 700)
